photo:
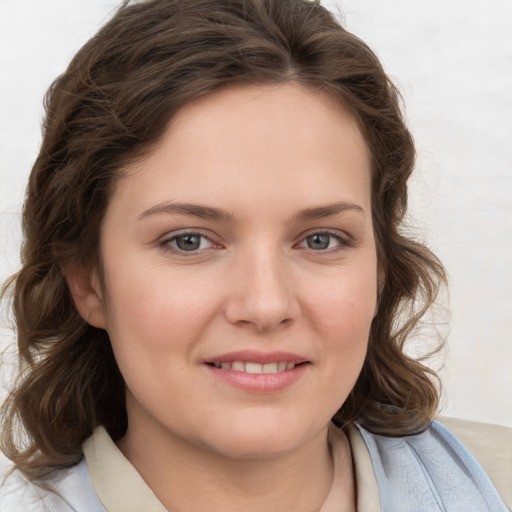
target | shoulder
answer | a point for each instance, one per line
(432, 468)
(491, 445)
(66, 490)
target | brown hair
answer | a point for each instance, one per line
(110, 107)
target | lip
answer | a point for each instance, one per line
(258, 382)
(257, 357)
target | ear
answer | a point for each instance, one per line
(86, 291)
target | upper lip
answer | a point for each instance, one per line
(257, 357)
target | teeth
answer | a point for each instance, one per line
(238, 366)
(270, 368)
(250, 367)
(253, 368)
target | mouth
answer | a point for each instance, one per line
(258, 372)
(256, 368)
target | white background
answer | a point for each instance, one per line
(453, 62)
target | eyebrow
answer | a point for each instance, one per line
(190, 210)
(218, 214)
(328, 210)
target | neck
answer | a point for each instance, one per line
(185, 476)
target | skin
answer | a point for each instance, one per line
(263, 155)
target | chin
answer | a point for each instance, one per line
(259, 440)
(255, 447)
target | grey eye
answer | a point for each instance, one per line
(188, 242)
(318, 241)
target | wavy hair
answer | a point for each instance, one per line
(109, 108)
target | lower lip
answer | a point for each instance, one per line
(260, 382)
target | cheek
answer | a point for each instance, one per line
(155, 313)
(153, 329)
(346, 303)
(342, 317)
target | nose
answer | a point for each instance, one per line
(263, 294)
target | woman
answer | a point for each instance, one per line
(213, 270)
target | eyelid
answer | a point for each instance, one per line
(164, 242)
(346, 241)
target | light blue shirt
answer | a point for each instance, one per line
(430, 472)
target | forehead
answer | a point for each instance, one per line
(266, 116)
(256, 143)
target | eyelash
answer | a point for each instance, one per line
(344, 241)
(165, 244)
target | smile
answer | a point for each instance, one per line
(253, 367)
(258, 372)
(254, 377)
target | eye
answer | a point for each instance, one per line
(186, 243)
(324, 241)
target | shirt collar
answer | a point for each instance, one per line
(116, 481)
(120, 487)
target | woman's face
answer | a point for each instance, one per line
(240, 271)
